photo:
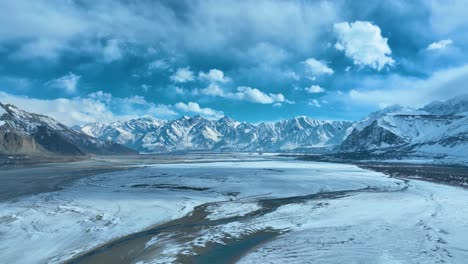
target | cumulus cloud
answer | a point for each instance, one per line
(183, 75)
(362, 41)
(254, 95)
(95, 107)
(442, 44)
(68, 83)
(213, 75)
(245, 93)
(314, 89)
(213, 89)
(317, 68)
(194, 108)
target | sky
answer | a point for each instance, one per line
(83, 61)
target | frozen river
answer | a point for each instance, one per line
(248, 210)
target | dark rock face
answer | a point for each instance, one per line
(54, 142)
(370, 137)
(27, 133)
(13, 143)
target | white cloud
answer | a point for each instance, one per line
(314, 102)
(179, 90)
(95, 107)
(314, 89)
(412, 92)
(363, 43)
(213, 89)
(292, 75)
(277, 104)
(161, 110)
(68, 82)
(244, 93)
(183, 75)
(160, 64)
(442, 44)
(192, 107)
(214, 75)
(317, 68)
(42, 48)
(254, 95)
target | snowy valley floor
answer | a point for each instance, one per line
(246, 209)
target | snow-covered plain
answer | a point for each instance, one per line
(391, 221)
(424, 224)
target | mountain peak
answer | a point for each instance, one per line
(226, 118)
(148, 118)
(3, 109)
(35, 133)
(454, 106)
(184, 117)
(198, 133)
(198, 117)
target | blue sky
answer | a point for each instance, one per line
(87, 61)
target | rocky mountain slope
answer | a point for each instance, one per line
(225, 134)
(438, 130)
(27, 133)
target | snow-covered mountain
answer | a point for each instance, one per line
(197, 133)
(438, 130)
(27, 133)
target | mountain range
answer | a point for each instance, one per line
(197, 133)
(22, 132)
(438, 130)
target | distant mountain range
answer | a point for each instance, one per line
(438, 130)
(26, 133)
(197, 133)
